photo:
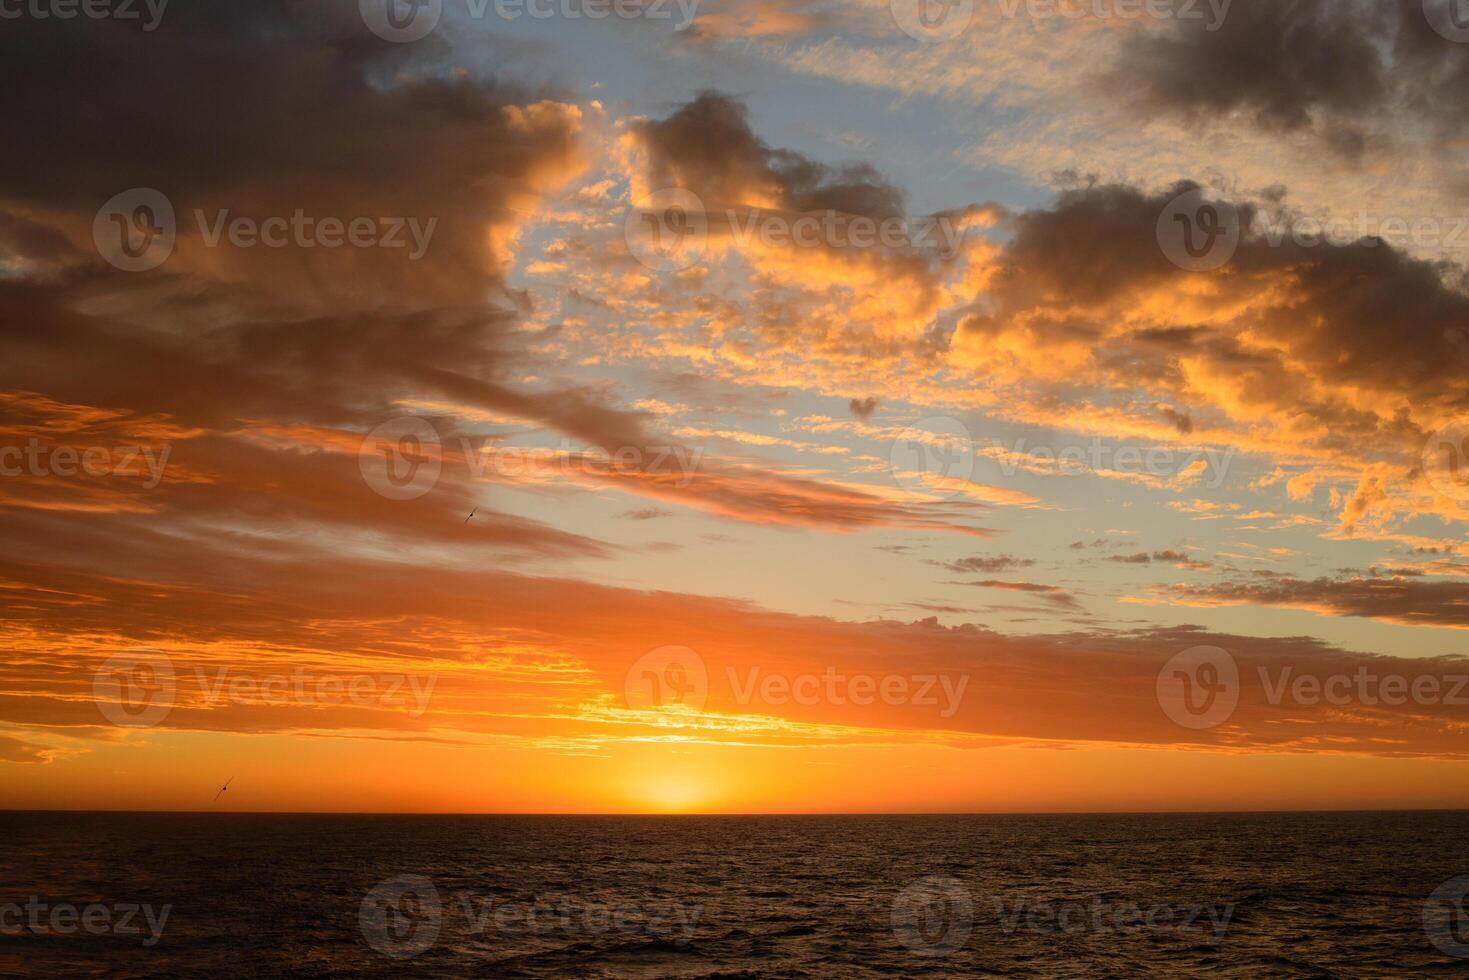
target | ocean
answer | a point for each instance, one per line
(1296, 895)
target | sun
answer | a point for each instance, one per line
(674, 793)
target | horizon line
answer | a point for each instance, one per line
(751, 813)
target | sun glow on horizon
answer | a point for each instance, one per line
(674, 793)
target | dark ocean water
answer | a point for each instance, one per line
(1376, 894)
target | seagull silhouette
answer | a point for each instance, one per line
(223, 788)
(471, 515)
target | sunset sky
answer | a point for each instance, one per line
(705, 463)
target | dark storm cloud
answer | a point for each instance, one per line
(1339, 68)
(261, 110)
(1095, 243)
(1283, 60)
(1362, 313)
(707, 146)
(1181, 421)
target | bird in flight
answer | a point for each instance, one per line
(223, 788)
(471, 515)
